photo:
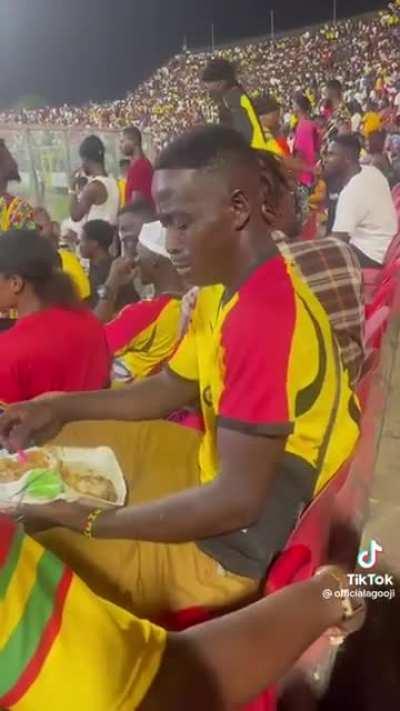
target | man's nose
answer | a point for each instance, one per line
(173, 241)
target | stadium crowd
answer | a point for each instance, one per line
(362, 53)
(229, 393)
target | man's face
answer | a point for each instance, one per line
(216, 90)
(203, 221)
(129, 226)
(43, 223)
(331, 94)
(87, 247)
(127, 146)
(335, 161)
(8, 165)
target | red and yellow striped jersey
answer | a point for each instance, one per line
(268, 364)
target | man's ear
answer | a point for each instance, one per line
(17, 284)
(241, 209)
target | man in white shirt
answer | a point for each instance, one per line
(365, 213)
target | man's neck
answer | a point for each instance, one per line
(168, 282)
(29, 304)
(100, 257)
(97, 170)
(353, 170)
(258, 249)
(138, 153)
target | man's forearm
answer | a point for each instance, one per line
(75, 208)
(187, 516)
(106, 308)
(148, 399)
(231, 660)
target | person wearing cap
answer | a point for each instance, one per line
(144, 335)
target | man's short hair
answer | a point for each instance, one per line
(99, 231)
(303, 102)
(92, 148)
(218, 148)
(133, 133)
(335, 85)
(206, 147)
(350, 144)
(219, 70)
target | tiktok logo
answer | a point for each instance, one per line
(367, 558)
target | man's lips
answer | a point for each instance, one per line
(181, 267)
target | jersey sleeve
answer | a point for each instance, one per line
(131, 321)
(256, 350)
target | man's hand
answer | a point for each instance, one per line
(42, 517)
(29, 423)
(122, 272)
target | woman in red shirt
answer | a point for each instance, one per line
(56, 344)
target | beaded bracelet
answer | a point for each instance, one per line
(91, 519)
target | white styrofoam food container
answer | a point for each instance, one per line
(101, 460)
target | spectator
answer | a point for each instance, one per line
(69, 261)
(144, 335)
(119, 288)
(57, 344)
(377, 155)
(207, 667)
(99, 199)
(15, 213)
(340, 120)
(140, 173)
(97, 238)
(240, 522)
(234, 105)
(269, 112)
(306, 142)
(365, 213)
(356, 116)
(372, 121)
